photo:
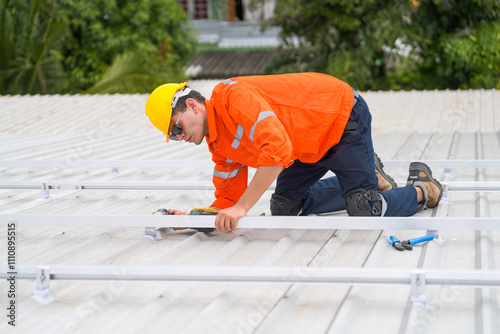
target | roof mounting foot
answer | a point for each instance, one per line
(444, 199)
(45, 196)
(448, 173)
(435, 233)
(42, 292)
(418, 296)
(152, 234)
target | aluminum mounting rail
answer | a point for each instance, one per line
(448, 164)
(187, 185)
(108, 163)
(308, 275)
(266, 222)
(209, 164)
(108, 185)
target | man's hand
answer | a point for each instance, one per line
(227, 219)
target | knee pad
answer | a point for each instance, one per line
(282, 206)
(361, 202)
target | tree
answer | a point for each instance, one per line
(29, 38)
(394, 44)
(457, 42)
(99, 46)
(154, 32)
(339, 37)
(132, 72)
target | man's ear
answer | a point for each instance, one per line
(191, 103)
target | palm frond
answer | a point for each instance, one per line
(131, 73)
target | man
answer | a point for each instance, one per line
(293, 128)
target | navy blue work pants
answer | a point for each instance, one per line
(352, 161)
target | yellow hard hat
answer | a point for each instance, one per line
(160, 103)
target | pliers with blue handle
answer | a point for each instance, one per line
(407, 244)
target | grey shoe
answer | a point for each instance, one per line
(421, 176)
(385, 182)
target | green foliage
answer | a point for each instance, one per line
(339, 37)
(29, 38)
(473, 60)
(131, 73)
(458, 42)
(155, 30)
(398, 44)
(72, 46)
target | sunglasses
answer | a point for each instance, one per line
(176, 130)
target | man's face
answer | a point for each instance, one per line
(192, 124)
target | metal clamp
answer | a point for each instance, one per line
(152, 233)
(446, 190)
(435, 233)
(42, 292)
(448, 173)
(418, 286)
(45, 196)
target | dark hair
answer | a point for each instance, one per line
(181, 103)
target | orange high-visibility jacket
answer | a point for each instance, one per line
(272, 120)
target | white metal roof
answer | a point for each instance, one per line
(73, 131)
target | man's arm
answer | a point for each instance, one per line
(227, 219)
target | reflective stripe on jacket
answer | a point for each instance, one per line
(272, 120)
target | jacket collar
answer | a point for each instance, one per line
(212, 129)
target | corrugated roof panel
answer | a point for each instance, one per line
(412, 125)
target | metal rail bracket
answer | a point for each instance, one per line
(42, 291)
(152, 233)
(45, 195)
(418, 296)
(448, 173)
(446, 190)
